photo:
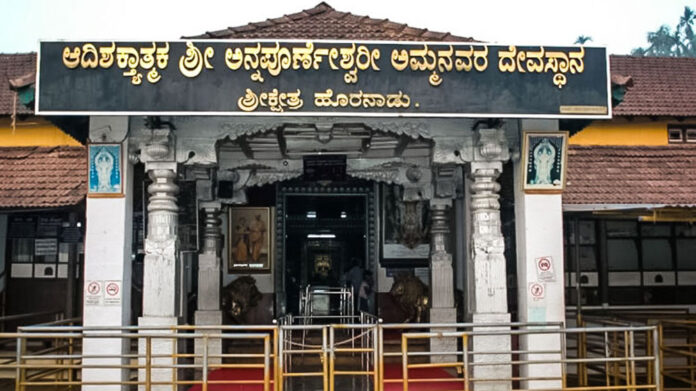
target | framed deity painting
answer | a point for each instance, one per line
(250, 245)
(544, 157)
(105, 169)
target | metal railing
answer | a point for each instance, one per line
(363, 356)
(152, 357)
(678, 353)
(539, 356)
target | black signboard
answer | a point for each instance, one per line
(322, 78)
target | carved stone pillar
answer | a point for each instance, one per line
(440, 259)
(210, 280)
(487, 242)
(441, 273)
(161, 250)
(488, 296)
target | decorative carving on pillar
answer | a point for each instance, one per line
(413, 175)
(487, 242)
(212, 232)
(492, 145)
(162, 209)
(407, 128)
(442, 282)
(162, 226)
(209, 261)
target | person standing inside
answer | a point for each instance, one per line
(365, 292)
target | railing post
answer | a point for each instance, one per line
(19, 382)
(404, 361)
(276, 358)
(657, 343)
(375, 358)
(148, 363)
(332, 357)
(204, 369)
(626, 358)
(465, 361)
(632, 355)
(280, 374)
(266, 363)
(380, 341)
(325, 359)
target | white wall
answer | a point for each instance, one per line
(108, 240)
(539, 233)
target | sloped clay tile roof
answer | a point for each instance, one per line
(324, 22)
(631, 175)
(662, 86)
(42, 177)
(13, 66)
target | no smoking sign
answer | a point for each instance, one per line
(93, 288)
(536, 290)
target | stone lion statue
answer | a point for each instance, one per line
(238, 297)
(411, 294)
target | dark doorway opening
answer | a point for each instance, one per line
(325, 236)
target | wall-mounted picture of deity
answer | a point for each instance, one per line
(249, 244)
(544, 161)
(405, 233)
(105, 170)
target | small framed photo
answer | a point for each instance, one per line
(105, 168)
(250, 245)
(544, 157)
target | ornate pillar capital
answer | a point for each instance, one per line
(491, 146)
(156, 146)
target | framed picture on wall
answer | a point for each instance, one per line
(105, 170)
(544, 157)
(250, 247)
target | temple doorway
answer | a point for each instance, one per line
(325, 241)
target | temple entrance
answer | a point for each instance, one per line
(325, 246)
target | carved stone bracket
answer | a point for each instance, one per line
(411, 129)
(412, 175)
(249, 173)
(454, 150)
(491, 145)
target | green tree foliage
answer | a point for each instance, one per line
(668, 42)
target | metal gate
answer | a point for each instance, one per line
(330, 356)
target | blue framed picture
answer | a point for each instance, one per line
(544, 157)
(105, 170)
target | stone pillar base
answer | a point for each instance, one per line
(492, 343)
(443, 315)
(161, 351)
(208, 318)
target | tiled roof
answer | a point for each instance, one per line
(631, 175)
(13, 66)
(662, 86)
(42, 177)
(324, 22)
